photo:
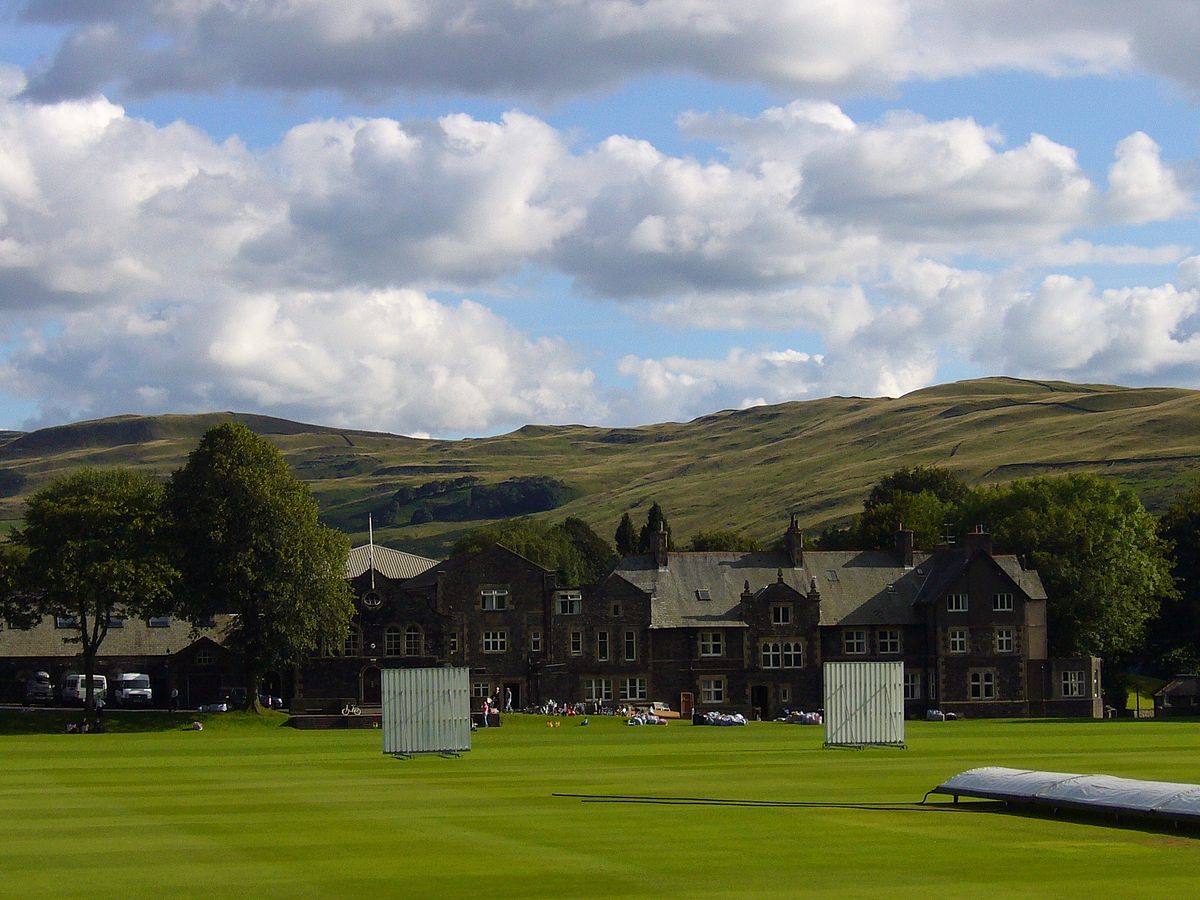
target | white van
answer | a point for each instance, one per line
(132, 689)
(74, 688)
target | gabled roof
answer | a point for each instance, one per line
(866, 587)
(427, 577)
(688, 577)
(948, 564)
(389, 563)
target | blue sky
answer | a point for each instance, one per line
(446, 218)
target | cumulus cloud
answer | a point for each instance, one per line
(547, 48)
(1140, 187)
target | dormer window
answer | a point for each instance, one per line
(831, 574)
(703, 594)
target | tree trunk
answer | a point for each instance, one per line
(253, 679)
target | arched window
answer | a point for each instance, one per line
(414, 641)
(770, 655)
(372, 600)
(353, 643)
(391, 640)
(793, 654)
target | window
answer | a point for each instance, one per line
(781, 614)
(115, 621)
(452, 642)
(535, 640)
(206, 622)
(956, 603)
(854, 641)
(889, 640)
(958, 640)
(1002, 602)
(372, 600)
(495, 641)
(703, 594)
(576, 643)
(597, 689)
(414, 641)
(785, 693)
(912, 685)
(633, 688)
(982, 685)
(391, 641)
(616, 610)
(711, 643)
(933, 686)
(204, 657)
(712, 690)
(480, 689)
(793, 654)
(569, 603)
(158, 622)
(493, 599)
(1005, 642)
(1074, 684)
(352, 645)
(602, 646)
(772, 655)
(630, 645)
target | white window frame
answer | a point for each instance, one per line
(411, 648)
(352, 644)
(712, 643)
(600, 689)
(957, 640)
(912, 685)
(1006, 640)
(203, 657)
(1002, 602)
(771, 655)
(712, 689)
(493, 599)
(158, 622)
(854, 641)
(956, 603)
(568, 603)
(602, 646)
(633, 688)
(785, 693)
(933, 684)
(630, 645)
(981, 685)
(781, 614)
(495, 641)
(480, 689)
(535, 640)
(1074, 683)
(393, 640)
(576, 642)
(793, 654)
(891, 641)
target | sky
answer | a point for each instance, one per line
(452, 218)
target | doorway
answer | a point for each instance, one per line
(515, 687)
(760, 699)
(685, 705)
(372, 687)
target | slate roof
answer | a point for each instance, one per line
(135, 639)
(866, 587)
(389, 563)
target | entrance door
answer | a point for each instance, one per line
(515, 687)
(685, 705)
(372, 687)
(760, 699)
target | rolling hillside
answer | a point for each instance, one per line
(742, 469)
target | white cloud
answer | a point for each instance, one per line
(549, 48)
(1140, 187)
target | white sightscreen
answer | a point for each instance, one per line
(864, 703)
(426, 710)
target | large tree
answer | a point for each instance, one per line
(250, 543)
(655, 522)
(1175, 634)
(922, 499)
(626, 537)
(722, 539)
(571, 548)
(1096, 548)
(91, 550)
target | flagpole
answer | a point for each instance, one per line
(371, 547)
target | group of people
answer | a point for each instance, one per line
(492, 705)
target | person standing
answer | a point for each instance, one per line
(174, 704)
(508, 700)
(487, 703)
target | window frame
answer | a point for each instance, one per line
(711, 644)
(409, 632)
(999, 600)
(795, 649)
(853, 638)
(1005, 640)
(1073, 688)
(890, 641)
(575, 642)
(631, 642)
(958, 636)
(912, 685)
(393, 640)
(981, 685)
(770, 654)
(713, 689)
(568, 603)
(496, 638)
(781, 614)
(535, 640)
(603, 647)
(957, 603)
(493, 599)
(597, 689)
(638, 683)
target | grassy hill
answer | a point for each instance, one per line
(743, 469)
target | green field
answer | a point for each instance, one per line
(247, 808)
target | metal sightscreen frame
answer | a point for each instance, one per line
(426, 710)
(864, 704)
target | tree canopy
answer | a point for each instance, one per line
(1098, 552)
(250, 543)
(576, 553)
(655, 522)
(626, 537)
(1175, 635)
(91, 549)
(722, 540)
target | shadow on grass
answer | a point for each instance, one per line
(25, 720)
(767, 804)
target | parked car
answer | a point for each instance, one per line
(132, 689)
(74, 688)
(39, 688)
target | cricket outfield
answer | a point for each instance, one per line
(251, 809)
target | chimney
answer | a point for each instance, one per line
(793, 540)
(814, 593)
(660, 547)
(747, 594)
(979, 541)
(904, 546)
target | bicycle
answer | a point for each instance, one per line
(351, 709)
